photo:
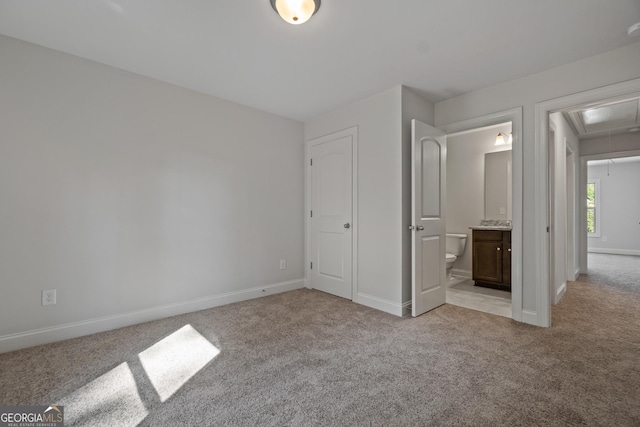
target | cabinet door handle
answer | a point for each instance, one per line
(509, 249)
(497, 249)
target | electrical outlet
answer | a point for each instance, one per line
(48, 297)
(283, 264)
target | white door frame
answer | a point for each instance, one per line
(551, 220)
(514, 116)
(353, 133)
(614, 92)
(572, 212)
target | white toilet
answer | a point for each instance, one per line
(455, 247)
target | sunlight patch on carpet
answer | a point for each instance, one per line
(111, 399)
(171, 362)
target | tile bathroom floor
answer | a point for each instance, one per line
(463, 293)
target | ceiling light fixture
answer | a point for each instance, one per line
(296, 12)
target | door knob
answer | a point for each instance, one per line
(498, 248)
(347, 225)
(509, 249)
(419, 228)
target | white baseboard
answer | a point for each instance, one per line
(406, 308)
(530, 317)
(390, 307)
(65, 331)
(461, 273)
(560, 292)
(576, 274)
(614, 251)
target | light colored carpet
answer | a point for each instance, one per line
(305, 358)
(619, 271)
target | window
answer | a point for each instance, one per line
(593, 208)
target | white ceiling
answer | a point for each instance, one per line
(242, 51)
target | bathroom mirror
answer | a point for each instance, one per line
(497, 185)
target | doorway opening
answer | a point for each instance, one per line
(514, 117)
(601, 124)
(613, 205)
(512, 246)
(613, 221)
(479, 212)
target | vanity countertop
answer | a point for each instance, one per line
(493, 224)
(491, 227)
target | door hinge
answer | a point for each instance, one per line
(312, 266)
(311, 162)
(548, 229)
(311, 214)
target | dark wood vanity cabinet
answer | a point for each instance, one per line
(492, 258)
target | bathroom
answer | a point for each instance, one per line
(478, 189)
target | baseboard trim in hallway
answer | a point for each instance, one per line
(614, 251)
(560, 292)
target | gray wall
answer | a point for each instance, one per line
(620, 207)
(379, 196)
(564, 219)
(382, 190)
(131, 196)
(618, 143)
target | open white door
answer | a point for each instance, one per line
(428, 175)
